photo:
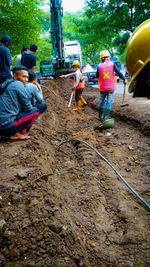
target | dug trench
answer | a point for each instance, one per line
(62, 205)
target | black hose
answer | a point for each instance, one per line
(77, 141)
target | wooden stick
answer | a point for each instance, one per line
(124, 97)
(69, 105)
(124, 94)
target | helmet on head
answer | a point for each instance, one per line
(104, 53)
(6, 39)
(76, 63)
(138, 53)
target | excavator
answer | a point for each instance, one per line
(138, 60)
(61, 60)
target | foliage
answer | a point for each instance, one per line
(103, 25)
(19, 19)
(76, 26)
(113, 21)
(121, 15)
(25, 22)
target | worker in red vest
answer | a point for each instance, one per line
(107, 83)
(79, 84)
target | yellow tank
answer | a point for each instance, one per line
(138, 52)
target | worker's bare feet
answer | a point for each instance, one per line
(19, 136)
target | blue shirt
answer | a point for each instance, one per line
(34, 94)
(28, 59)
(5, 62)
(13, 101)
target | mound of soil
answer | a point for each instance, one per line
(62, 205)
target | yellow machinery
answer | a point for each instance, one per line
(138, 60)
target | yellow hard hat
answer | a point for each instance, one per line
(104, 53)
(138, 52)
(76, 63)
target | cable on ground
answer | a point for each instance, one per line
(77, 141)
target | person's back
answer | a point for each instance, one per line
(106, 79)
(28, 58)
(33, 93)
(5, 59)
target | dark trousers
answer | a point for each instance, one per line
(22, 123)
(78, 93)
(42, 107)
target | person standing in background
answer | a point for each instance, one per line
(28, 58)
(5, 59)
(18, 58)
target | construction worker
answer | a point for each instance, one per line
(5, 59)
(78, 85)
(106, 82)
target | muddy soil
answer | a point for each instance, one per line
(63, 206)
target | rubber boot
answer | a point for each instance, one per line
(78, 105)
(83, 102)
(100, 113)
(106, 114)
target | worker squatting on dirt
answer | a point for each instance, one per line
(34, 92)
(79, 84)
(106, 82)
(5, 59)
(16, 111)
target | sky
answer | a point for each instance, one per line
(68, 5)
(72, 5)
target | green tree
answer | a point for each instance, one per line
(26, 22)
(120, 15)
(113, 21)
(20, 20)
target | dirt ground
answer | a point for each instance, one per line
(63, 206)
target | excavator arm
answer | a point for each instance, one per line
(56, 34)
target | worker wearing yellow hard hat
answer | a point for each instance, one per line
(79, 84)
(138, 60)
(104, 54)
(76, 63)
(106, 82)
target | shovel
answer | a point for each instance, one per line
(69, 105)
(124, 97)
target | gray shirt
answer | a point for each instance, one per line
(34, 94)
(13, 101)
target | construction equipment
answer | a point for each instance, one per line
(63, 54)
(138, 60)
